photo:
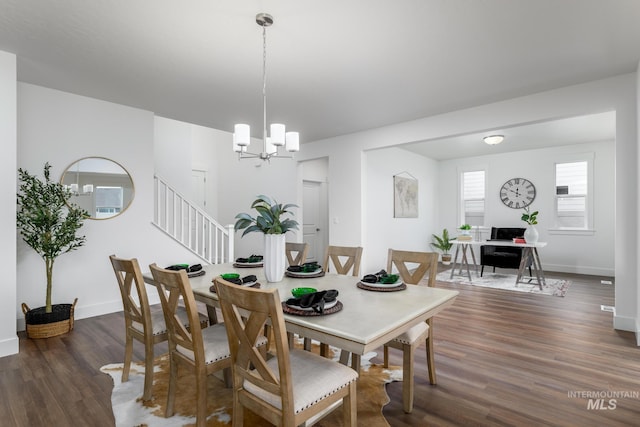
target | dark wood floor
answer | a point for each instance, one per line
(502, 358)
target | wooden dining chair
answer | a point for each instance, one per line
(296, 252)
(289, 388)
(204, 351)
(345, 259)
(412, 267)
(141, 323)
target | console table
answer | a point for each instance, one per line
(529, 252)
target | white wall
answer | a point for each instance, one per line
(8, 168)
(382, 231)
(240, 181)
(60, 128)
(172, 152)
(588, 253)
(181, 147)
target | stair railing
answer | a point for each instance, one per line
(190, 226)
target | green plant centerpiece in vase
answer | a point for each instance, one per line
(531, 218)
(48, 223)
(269, 221)
(444, 245)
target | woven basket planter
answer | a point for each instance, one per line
(46, 325)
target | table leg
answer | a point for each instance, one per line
(531, 254)
(213, 316)
(538, 268)
(465, 261)
(523, 264)
(473, 257)
(455, 261)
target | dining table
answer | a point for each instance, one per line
(366, 320)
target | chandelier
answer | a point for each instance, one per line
(277, 137)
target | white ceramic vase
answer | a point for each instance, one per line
(531, 234)
(274, 257)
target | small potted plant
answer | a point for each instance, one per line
(444, 245)
(48, 223)
(269, 222)
(465, 232)
(531, 218)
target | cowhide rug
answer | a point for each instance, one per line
(129, 409)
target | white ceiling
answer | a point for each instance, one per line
(334, 66)
(573, 130)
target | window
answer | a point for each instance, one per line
(473, 191)
(572, 195)
(109, 201)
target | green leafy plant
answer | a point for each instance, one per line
(442, 242)
(530, 218)
(47, 221)
(268, 220)
(465, 227)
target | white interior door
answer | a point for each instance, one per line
(314, 230)
(198, 188)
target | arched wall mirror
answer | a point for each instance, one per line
(101, 186)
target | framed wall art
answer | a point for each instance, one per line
(405, 196)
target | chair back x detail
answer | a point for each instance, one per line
(289, 388)
(204, 351)
(140, 323)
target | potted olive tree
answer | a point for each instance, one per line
(269, 221)
(444, 245)
(48, 223)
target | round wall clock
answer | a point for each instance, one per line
(517, 193)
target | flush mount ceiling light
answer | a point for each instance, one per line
(277, 137)
(493, 139)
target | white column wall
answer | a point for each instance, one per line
(8, 176)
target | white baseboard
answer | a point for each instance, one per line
(577, 269)
(9, 346)
(625, 324)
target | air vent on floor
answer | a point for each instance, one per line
(608, 308)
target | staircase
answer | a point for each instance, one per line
(190, 226)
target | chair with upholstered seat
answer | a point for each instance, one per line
(345, 260)
(141, 323)
(296, 252)
(412, 267)
(502, 256)
(289, 388)
(204, 351)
